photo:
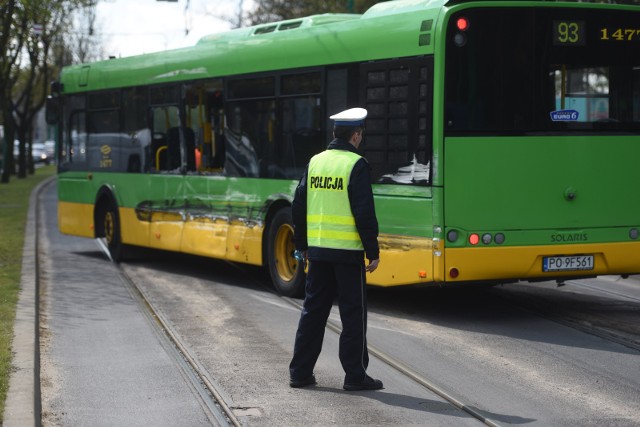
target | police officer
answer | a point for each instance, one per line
(335, 227)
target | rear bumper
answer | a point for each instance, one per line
(525, 263)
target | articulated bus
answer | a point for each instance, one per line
(503, 139)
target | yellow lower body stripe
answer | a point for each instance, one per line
(76, 219)
(403, 260)
(525, 262)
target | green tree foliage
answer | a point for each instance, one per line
(32, 46)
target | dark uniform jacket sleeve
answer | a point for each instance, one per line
(363, 208)
(299, 214)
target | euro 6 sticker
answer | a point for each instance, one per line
(565, 115)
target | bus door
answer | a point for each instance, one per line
(75, 198)
(205, 190)
(165, 206)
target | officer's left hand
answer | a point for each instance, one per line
(373, 264)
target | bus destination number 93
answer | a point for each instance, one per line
(567, 263)
(568, 33)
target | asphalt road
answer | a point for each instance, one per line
(101, 361)
(104, 364)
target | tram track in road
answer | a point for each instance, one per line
(603, 291)
(197, 377)
(200, 379)
(449, 392)
(577, 312)
(412, 374)
(333, 326)
(212, 400)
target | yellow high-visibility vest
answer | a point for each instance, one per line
(330, 223)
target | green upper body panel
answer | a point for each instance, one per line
(517, 183)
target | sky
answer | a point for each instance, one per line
(133, 27)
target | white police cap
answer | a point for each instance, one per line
(350, 117)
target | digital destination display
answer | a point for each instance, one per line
(620, 34)
(569, 33)
(573, 33)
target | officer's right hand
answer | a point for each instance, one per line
(373, 264)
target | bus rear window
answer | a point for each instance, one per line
(523, 70)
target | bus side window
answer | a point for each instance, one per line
(203, 135)
(218, 137)
(166, 139)
(74, 153)
(302, 135)
(301, 123)
(250, 126)
(165, 114)
(217, 121)
(158, 156)
(190, 148)
(175, 137)
(173, 148)
(136, 146)
(398, 141)
(74, 135)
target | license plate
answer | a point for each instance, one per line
(567, 263)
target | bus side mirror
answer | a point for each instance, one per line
(52, 111)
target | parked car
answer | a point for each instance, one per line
(39, 152)
(51, 149)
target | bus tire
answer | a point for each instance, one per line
(287, 274)
(111, 227)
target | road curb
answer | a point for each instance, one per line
(22, 407)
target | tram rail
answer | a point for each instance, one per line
(603, 291)
(410, 373)
(197, 376)
(602, 328)
(201, 379)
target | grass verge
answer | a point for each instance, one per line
(14, 204)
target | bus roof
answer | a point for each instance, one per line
(409, 29)
(297, 43)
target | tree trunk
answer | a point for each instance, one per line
(9, 161)
(24, 154)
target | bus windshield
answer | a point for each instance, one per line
(551, 70)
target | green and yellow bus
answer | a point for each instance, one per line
(503, 137)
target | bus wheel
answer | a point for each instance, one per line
(111, 226)
(286, 273)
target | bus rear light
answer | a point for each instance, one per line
(454, 273)
(459, 40)
(474, 239)
(462, 24)
(633, 233)
(499, 239)
(487, 238)
(452, 236)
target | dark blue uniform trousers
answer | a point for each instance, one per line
(325, 280)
